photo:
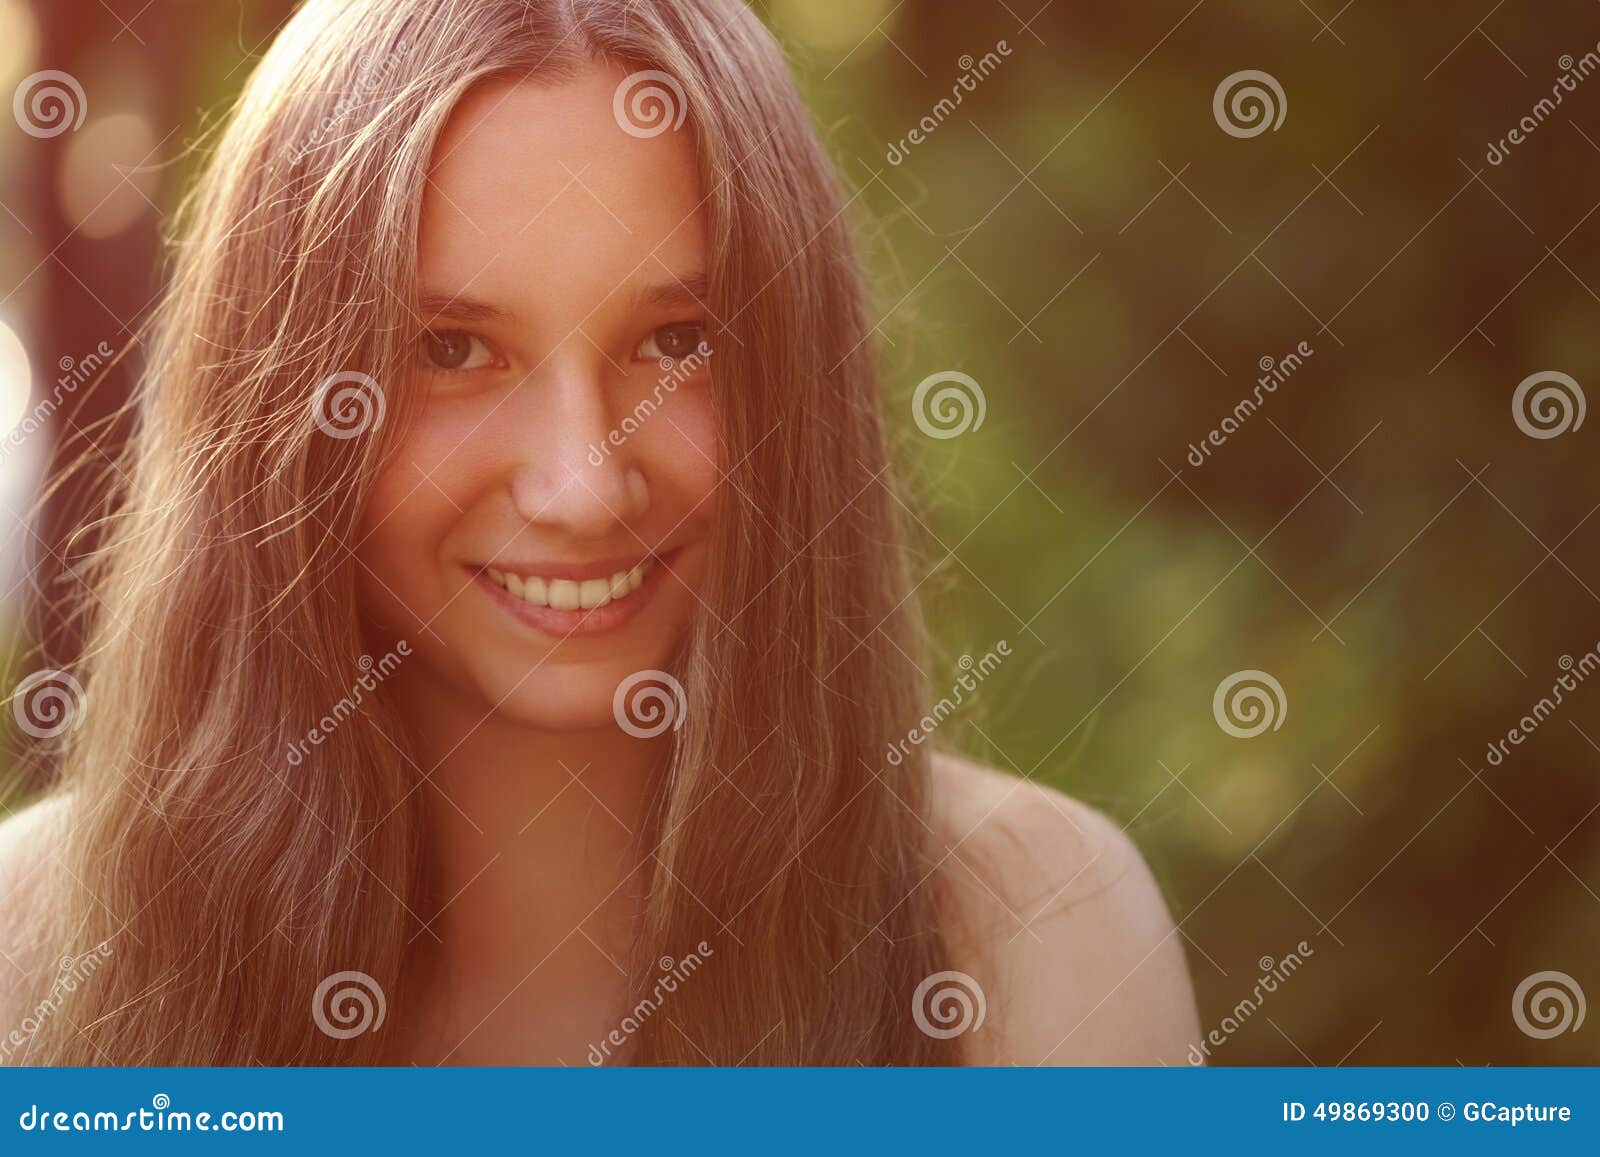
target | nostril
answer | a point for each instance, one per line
(638, 493)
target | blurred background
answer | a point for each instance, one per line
(1160, 506)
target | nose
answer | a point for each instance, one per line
(578, 473)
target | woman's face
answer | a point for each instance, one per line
(539, 535)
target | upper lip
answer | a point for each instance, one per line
(577, 571)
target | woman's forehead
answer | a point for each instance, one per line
(535, 185)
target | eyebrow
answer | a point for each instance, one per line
(458, 307)
(688, 289)
(682, 290)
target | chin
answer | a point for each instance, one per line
(568, 692)
(558, 701)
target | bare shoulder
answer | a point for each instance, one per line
(1061, 924)
(28, 837)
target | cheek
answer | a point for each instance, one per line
(683, 451)
(429, 477)
(415, 501)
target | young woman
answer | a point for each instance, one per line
(501, 636)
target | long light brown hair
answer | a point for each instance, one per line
(225, 620)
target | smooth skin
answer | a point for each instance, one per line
(583, 252)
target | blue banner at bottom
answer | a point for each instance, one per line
(794, 1110)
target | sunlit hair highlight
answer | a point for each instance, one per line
(224, 618)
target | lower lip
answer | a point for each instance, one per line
(570, 624)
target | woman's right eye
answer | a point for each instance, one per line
(453, 350)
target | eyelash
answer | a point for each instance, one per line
(430, 337)
(694, 346)
(427, 343)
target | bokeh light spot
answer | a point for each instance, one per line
(107, 173)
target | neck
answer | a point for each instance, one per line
(533, 859)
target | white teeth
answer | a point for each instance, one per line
(571, 595)
(594, 593)
(563, 595)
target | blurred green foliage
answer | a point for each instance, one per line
(1082, 238)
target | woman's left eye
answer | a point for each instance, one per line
(456, 349)
(675, 341)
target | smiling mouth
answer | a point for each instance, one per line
(574, 591)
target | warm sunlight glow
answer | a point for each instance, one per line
(15, 379)
(19, 40)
